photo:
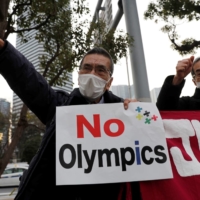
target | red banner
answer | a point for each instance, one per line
(186, 169)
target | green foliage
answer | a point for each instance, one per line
(171, 10)
(35, 129)
(67, 45)
(182, 9)
(4, 123)
(114, 41)
(30, 148)
(33, 120)
(4, 129)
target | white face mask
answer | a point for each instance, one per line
(91, 86)
(198, 84)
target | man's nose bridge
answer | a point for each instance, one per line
(93, 71)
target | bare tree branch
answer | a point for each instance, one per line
(53, 58)
(185, 47)
(9, 28)
(36, 127)
(52, 81)
(29, 29)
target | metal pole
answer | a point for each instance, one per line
(137, 59)
(116, 20)
(98, 7)
(129, 85)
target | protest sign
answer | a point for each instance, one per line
(105, 143)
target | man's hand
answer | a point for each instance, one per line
(127, 101)
(1, 43)
(183, 68)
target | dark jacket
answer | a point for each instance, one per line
(169, 97)
(39, 181)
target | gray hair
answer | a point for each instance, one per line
(100, 51)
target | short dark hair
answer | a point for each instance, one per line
(100, 51)
(194, 62)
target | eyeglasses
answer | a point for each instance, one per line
(100, 70)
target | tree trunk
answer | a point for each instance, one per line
(4, 4)
(22, 124)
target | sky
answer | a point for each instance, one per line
(160, 59)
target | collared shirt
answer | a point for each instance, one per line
(102, 100)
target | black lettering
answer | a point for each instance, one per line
(61, 156)
(90, 162)
(144, 149)
(123, 157)
(79, 149)
(108, 156)
(163, 158)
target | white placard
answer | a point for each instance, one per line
(104, 143)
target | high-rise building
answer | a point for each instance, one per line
(154, 94)
(106, 13)
(106, 16)
(123, 91)
(32, 50)
(4, 107)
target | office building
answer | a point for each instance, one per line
(106, 13)
(4, 107)
(124, 91)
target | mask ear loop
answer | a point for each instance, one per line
(108, 80)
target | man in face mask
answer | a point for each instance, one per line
(95, 74)
(95, 78)
(169, 97)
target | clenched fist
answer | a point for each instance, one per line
(183, 68)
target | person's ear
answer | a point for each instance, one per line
(109, 83)
(194, 81)
(78, 72)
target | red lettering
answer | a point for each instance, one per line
(94, 130)
(118, 132)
